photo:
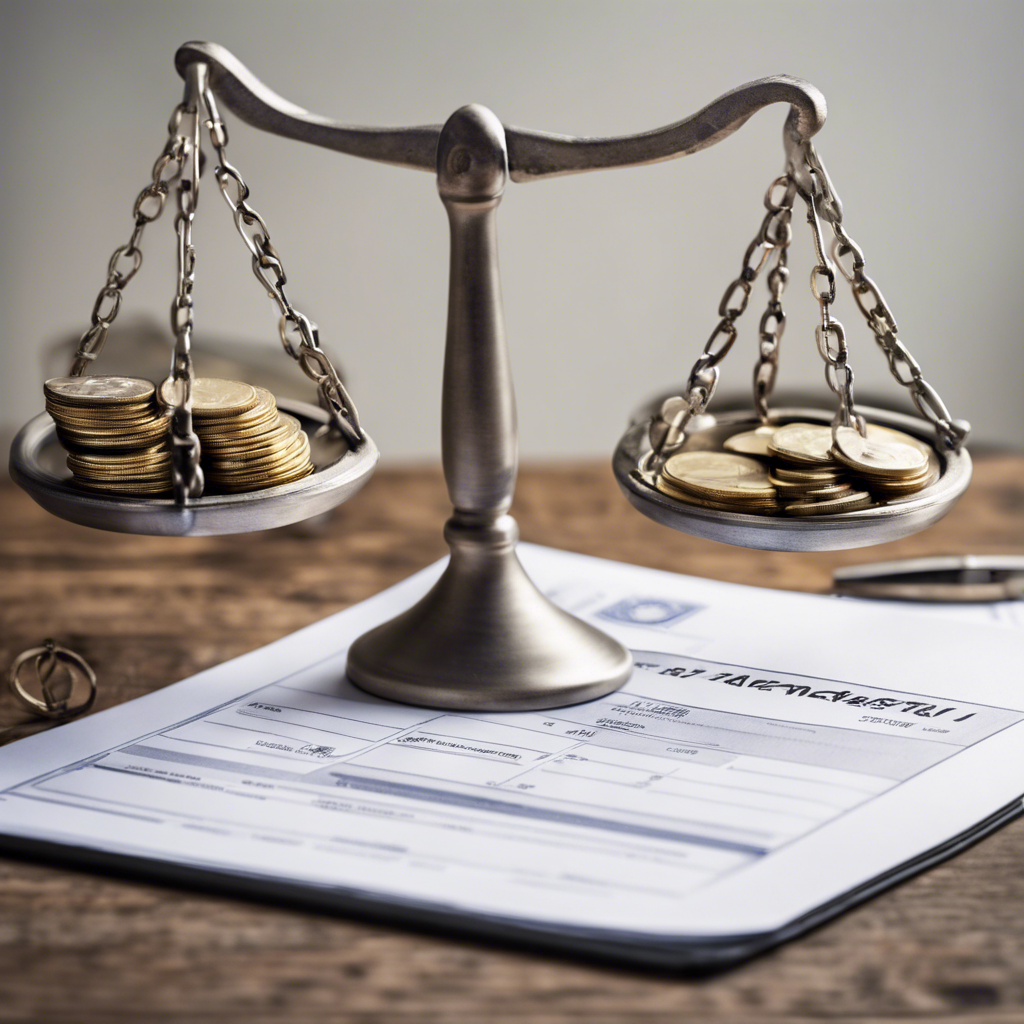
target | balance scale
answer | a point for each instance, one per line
(485, 638)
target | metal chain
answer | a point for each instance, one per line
(829, 334)
(668, 428)
(187, 474)
(903, 366)
(773, 320)
(127, 259)
(299, 335)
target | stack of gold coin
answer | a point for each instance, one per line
(809, 480)
(801, 470)
(113, 431)
(889, 463)
(719, 480)
(246, 443)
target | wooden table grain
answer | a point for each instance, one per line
(81, 949)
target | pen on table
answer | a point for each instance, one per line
(953, 578)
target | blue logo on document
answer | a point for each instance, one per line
(659, 612)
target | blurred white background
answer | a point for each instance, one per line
(611, 280)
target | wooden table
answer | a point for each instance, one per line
(78, 949)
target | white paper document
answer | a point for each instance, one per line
(771, 752)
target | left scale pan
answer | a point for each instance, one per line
(38, 465)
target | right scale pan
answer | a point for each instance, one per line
(883, 522)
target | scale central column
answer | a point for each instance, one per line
(484, 638)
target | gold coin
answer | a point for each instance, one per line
(247, 469)
(144, 438)
(213, 398)
(231, 438)
(125, 487)
(718, 475)
(787, 487)
(262, 483)
(283, 468)
(878, 458)
(227, 427)
(265, 410)
(135, 457)
(751, 442)
(876, 432)
(898, 488)
(80, 425)
(121, 468)
(162, 479)
(743, 508)
(846, 503)
(99, 390)
(112, 430)
(127, 442)
(158, 451)
(294, 458)
(791, 490)
(280, 438)
(933, 472)
(803, 443)
(101, 414)
(265, 484)
(830, 491)
(260, 450)
(809, 476)
(285, 427)
(103, 472)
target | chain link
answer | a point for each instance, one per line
(187, 474)
(903, 366)
(668, 428)
(127, 259)
(773, 320)
(829, 334)
(299, 335)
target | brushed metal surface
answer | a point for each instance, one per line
(38, 465)
(531, 155)
(784, 533)
(484, 638)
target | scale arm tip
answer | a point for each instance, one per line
(534, 155)
(258, 105)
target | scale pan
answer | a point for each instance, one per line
(785, 533)
(38, 465)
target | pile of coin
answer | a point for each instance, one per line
(889, 463)
(114, 433)
(810, 481)
(246, 443)
(719, 480)
(800, 469)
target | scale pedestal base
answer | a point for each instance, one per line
(486, 639)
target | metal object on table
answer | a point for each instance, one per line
(485, 638)
(819, 533)
(806, 175)
(38, 465)
(59, 672)
(181, 165)
(950, 578)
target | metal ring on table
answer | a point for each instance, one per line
(55, 701)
